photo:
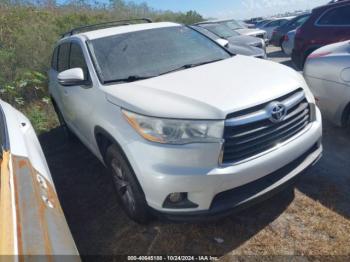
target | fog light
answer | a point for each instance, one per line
(178, 200)
(176, 197)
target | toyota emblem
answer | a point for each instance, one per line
(277, 112)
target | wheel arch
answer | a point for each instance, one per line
(309, 51)
(103, 140)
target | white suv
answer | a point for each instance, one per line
(186, 129)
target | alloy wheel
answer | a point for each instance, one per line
(122, 185)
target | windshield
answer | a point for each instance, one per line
(206, 32)
(148, 53)
(232, 24)
(220, 30)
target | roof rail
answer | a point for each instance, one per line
(104, 25)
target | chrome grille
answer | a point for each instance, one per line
(253, 131)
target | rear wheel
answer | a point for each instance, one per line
(128, 190)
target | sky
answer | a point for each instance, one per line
(238, 9)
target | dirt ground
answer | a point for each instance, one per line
(311, 218)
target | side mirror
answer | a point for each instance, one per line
(222, 42)
(71, 77)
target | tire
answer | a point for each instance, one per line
(67, 132)
(128, 189)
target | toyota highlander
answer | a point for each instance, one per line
(186, 129)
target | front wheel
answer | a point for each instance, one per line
(128, 190)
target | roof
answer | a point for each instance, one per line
(330, 5)
(115, 30)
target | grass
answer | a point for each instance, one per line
(41, 115)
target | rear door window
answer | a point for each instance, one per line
(336, 17)
(63, 55)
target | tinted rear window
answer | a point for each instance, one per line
(337, 16)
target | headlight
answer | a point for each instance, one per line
(175, 131)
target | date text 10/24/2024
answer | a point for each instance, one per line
(173, 258)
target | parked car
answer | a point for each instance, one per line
(253, 20)
(184, 129)
(262, 22)
(271, 26)
(32, 220)
(327, 71)
(234, 38)
(242, 49)
(279, 33)
(327, 24)
(245, 25)
(234, 25)
(288, 42)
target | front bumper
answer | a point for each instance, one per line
(165, 169)
(234, 200)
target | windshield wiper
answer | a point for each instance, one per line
(133, 78)
(128, 79)
(186, 66)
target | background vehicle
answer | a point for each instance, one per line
(256, 48)
(271, 26)
(279, 33)
(32, 221)
(245, 25)
(288, 42)
(327, 24)
(224, 32)
(234, 25)
(262, 22)
(253, 21)
(327, 71)
(174, 120)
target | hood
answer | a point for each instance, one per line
(210, 91)
(246, 50)
(248, 31)
(244, 40)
